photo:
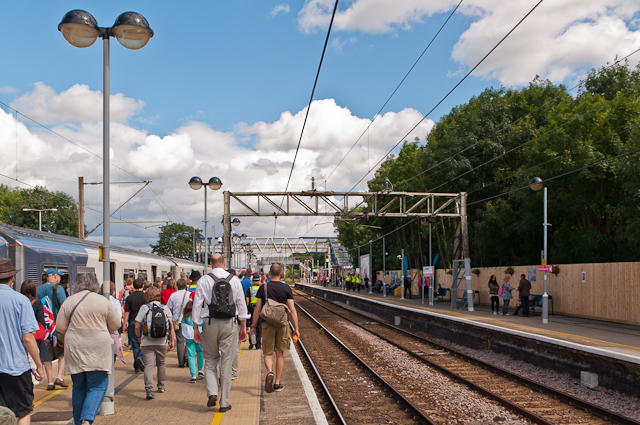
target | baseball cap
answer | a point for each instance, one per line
(53, 271)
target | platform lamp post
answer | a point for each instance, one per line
(384, 267)
(214, 184)
(133, 32)
(40, 214)
(536, 184)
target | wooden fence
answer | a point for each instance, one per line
(603, 291)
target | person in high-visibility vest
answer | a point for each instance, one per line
(358, 282)
(348, 280)
(252, 299)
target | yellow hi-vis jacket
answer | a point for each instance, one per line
(254, 291)
(358, 280)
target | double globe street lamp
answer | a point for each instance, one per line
(81, 30)
(214, 184)
(133, 32)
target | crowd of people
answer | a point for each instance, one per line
(206, 318)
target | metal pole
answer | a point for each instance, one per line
(206, 245)
(107, 407)
(106, 182)
(370, 266)
(81, 207)
(402, 269)
(545, 296)
(226, 239)
(384, 269)
(40, 220)
(434, 272)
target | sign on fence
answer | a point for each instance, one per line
(427, 271)
(545, 269)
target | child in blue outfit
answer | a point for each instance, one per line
(193, 349)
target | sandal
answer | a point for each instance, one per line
(268, 383)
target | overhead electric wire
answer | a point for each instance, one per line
(444, 98)
(394, 92)
(83, 148)
(502, 129)
(326, 41)
(66, 199)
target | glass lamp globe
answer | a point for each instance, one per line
(536, 183)
(79, 28)
(215, 183)
(132, 30)
(195, 183)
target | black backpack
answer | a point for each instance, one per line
(157, 327)
(222, 305)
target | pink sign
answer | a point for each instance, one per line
(545, 269)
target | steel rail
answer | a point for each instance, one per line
(605, 414)
(422, 417)
(324, 386)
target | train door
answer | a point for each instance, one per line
(64, 279)
(154, 272)
(112, 272)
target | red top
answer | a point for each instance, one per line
(166, 294)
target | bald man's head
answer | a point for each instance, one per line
(217, 261)
(275, 271)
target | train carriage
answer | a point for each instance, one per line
(33, 252)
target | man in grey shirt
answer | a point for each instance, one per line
(218, 337)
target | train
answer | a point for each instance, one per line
(33, 252)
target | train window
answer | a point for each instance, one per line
(64, 280)
(129, 274)
(142, 274)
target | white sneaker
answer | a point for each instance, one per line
(494, 313)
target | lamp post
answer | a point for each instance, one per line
(536, 184)
(214, 184)
(424, 222)
(40, 214)
(133, 32)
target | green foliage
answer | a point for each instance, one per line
(62, 222)
(176, 240)
(491, 146)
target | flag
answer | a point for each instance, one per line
(50, 323)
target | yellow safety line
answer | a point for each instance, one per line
(217, 417)
(56, 392)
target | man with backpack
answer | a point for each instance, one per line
(219, 304)
(276, 337)
(153, 328)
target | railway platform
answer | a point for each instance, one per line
(184, 402)
(616, 340)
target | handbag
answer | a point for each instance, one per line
(176, 324)
(41, 333)
(273, 312)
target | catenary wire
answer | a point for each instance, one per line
(443, 99)
(61, 197)
(502, 129)
(394, 92)
(83, 148)
(326, 42)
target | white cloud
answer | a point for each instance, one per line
(76, 104)
(284, 8)
(559, 40)
(194, 149)
(8, 90)
(338, 43)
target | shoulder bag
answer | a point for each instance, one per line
(274, 312)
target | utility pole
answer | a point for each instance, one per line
(370, 266)
(81, 207)
(384, 269)
(402, 269)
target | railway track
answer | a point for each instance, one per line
(355, 393)
(537, 403)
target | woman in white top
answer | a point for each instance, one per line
(87, 318)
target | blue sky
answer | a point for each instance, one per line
(221, 89)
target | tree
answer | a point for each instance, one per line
(491, 146)
(62, 222)
(176, 240)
